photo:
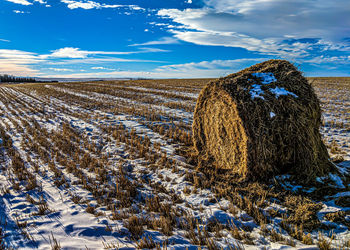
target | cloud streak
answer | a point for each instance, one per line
(161, 41)
(204, 69)
(22, 63)
(69, 52)
(88, 5)
(60, 69)
(20, 12)
(21, 2)
(17, 62)
(75, 53)
(273, 27)
(101, 68)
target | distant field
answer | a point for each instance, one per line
(107, 165)
(334, 94)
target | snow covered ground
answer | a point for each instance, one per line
(102, 166)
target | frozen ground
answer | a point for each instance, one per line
(101, 166)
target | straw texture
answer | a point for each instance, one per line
(260, 122)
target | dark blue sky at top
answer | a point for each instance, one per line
(162, 38)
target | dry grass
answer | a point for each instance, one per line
(55, 245)
(135, 226)
(73, 161)
(234, 132)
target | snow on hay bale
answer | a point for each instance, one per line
(260, 122)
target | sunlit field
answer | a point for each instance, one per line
(109, 164)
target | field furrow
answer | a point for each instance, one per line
(110, 165)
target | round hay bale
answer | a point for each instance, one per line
(260, 122)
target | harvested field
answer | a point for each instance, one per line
(108, 165)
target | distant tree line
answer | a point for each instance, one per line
(9, 78)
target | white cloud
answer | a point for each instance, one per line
(16, 69)
(69, 52)
(278, 18)
(20, 12)
(5, 40)
(76, 53)
(19, 62)
(151, 50)
(214, 68)
(97, 61)
(264, 25)
(135, 7)
(25, 2)
(161, 41)
(87, 5)
(266, 46)
(101, 68)
(138, 74)
(40, 1)
(205, 69)
(329, 59)
(22, 2)
(18, 56)
(60, 69)
(83, 5)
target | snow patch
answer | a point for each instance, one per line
(256, 92)
(342, 194)
(282, 91)
(337, 180)
(265, 78)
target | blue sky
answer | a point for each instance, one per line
(172, 38)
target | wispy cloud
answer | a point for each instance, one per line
(214, 68)
(4, 40)
(60, 69)
(329, 59)
(69, 52)
(264, 26)
(98, 61)
(26, 3)
(17, 62)
(87, 5)
(21, 12)
(18, 56)
(17, 69)
(41, 1)
(101, 68)
(203, 69)
(232, 65)
(151, 50)
(26, 63)
(22, 2)
(161, 41)
(206, 69)
(76, 53)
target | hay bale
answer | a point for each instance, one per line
(260, 122)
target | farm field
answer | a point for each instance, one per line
(108, 165)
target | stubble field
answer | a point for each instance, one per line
(109, 165)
